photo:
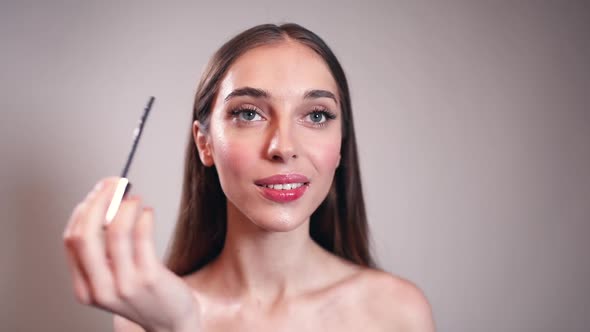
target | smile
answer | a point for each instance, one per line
(283, 188)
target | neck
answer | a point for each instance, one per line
(265, 265)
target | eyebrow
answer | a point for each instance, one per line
(260, 93)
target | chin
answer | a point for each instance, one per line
(271, 216)
(278, 224)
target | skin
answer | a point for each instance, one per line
(117, 269)
(271, 276)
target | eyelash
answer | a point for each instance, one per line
(235, 113)
(328, 115)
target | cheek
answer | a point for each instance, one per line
(233, 158)
(325, 156)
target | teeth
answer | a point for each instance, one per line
(285, 186)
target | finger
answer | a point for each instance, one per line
(81, 288)
(71, 243)
(80, 280)
(91, 249)
(119, 247)
(79, 209)
(145, 250)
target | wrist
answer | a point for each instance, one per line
(191, 324)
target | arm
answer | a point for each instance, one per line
(418, 313)
(413, 309)
(398, 305)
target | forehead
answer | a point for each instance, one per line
(286, 69)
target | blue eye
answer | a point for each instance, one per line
(320, 117)
(246, 115)
(249, 115)
(317, 117)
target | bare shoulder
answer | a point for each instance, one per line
(396, 302)
(122, 324)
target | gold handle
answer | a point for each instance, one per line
(122, 188)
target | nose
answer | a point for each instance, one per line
(282, 145)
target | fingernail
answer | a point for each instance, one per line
(99, 186)
(133, 197)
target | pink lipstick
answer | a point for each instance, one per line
(283, 188)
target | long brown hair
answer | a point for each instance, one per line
(339, 224)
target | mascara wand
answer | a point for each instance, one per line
(123, 186)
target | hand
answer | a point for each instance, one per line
(118, 270)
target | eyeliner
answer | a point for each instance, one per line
(124, 185)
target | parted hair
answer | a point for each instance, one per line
(339, 224)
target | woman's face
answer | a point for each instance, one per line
(274, 134)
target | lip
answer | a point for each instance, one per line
(282, 179)
(283, 196)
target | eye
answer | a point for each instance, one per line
(320, 117)
(317, 117)
(246, 114)
(250, 115)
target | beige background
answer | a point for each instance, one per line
(472, 117)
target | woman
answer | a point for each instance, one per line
(272, 233)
